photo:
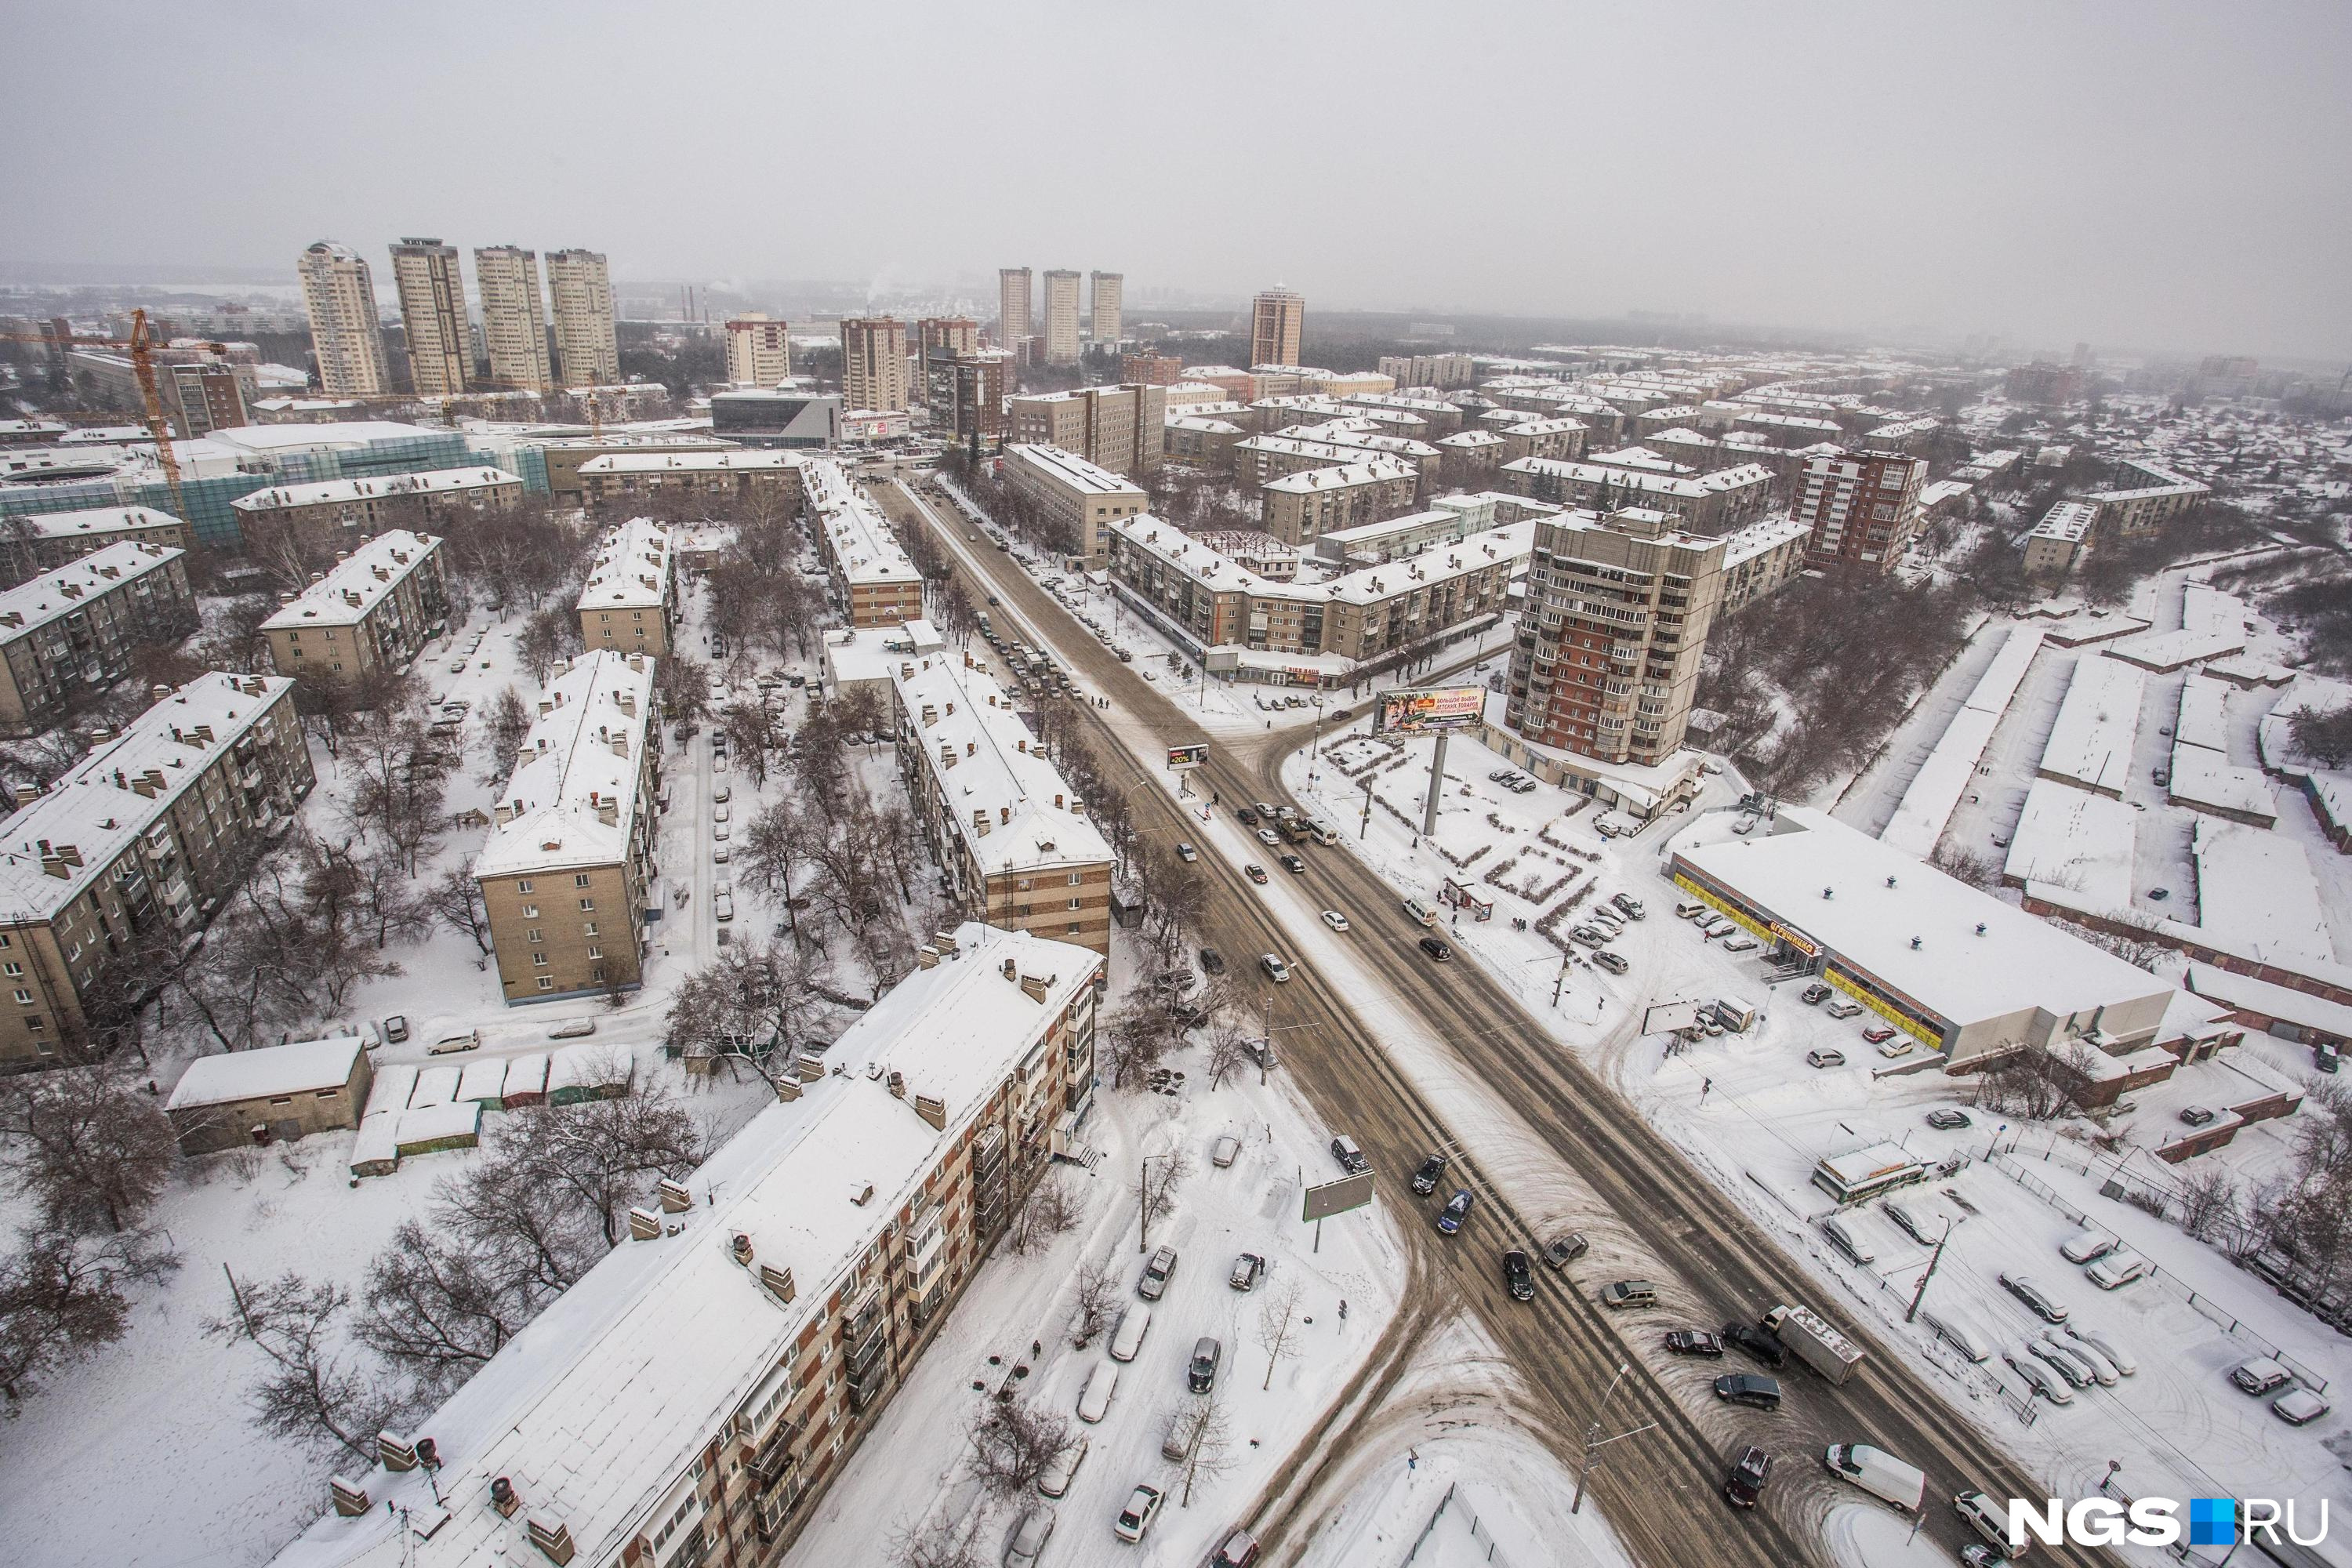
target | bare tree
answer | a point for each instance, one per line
(745, 725)
(62, 1297)
(454, 900)
(1013, 1442)
(754, 1000)
(1135, 1039)
(603, 1153)
(505, 723)
(90, 1147)
(1158, 1180)
(1205, 1433)
(1277, 1326)
(437, 1304)
(1097, 1288)
(1229, 1033)
(946, 1544)
(307, 1390)
(2209, 1202)
(552, 634)
(1050, 1210)
(683, 685)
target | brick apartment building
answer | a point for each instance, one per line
(331, 513)
(630, 601)
(369, 616)
(52, 539)
(1118, 428)
(71, 632)
(1862, 507)
(675, 486)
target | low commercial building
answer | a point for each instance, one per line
(2159, 496)
(1706, 503)
(874, 580)
(329, 514)
(1118, 428)
(693, 1396)
(631, 598)
(71, 632)
(2060, 540)
(368, 618)
(1962, 972)
(1298, 507)
(777, 417)
(566, 871)
(55, 538)
(132, 849)
(675, 486)
(1084, 497)
(271, 1093)
(1005, 826)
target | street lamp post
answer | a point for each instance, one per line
(1594, 1442)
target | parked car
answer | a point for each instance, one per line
(1744, 1486)
(1211, 961)
(395, 1028)
(1247, 1270)
(1142, 1507)
(2260, 1375)
(1614, 963)
(2040, 1378)
(1828, 1056)
(1841, 1008)
(1424, 1181)
(450, 1045)
(1878, 1034)
(1055, 1480)
(1093, 1400)
(2039, 1301)
(2196, 1115)
(1945, 1120)
(2087, 1245)
(1693, 1341)
(1437, 949)
(1456, 1210)
(1921, 1225)
(1843, 1236)
(1897, 1048)
(2117, 1269)
(1037, 1528)
(1630, 905)
(1352, 1158)
(1762, 1343)
(1208, 1353)
(1156, 1273)
(1816, 993)
(1748, 1388)
(573, 1029)
(2074, 1374)
(1223, 1153)
(1517, 1279)
(1740, 945)
(2298, 1408)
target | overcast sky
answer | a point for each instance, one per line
(2158, 176)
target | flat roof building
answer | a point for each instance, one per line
(1118, 428)
(1862, 507)
(433, 310)
(514, 318)
(369, 616)
(630, 601)
(1297, 506)
(580, 296)
(1278, 324)
(1703, 503)
(54, 538)
(346, 333)
(873, 577)
(874, 363)
(331, 515)
(675, 486)
(270, 1093)
(2146, 507)
(69, 633)
(2060, 540)
(758, 349)
(1083, 497)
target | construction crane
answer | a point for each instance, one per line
(143, 365)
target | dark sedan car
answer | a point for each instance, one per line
(1745, 1486)
(1762, 1343)
(1424, 1181)
(1456, 1210)
(1211, 961)
(1516, 1278)
(1293, 864)
(1437, 950)
(1746, 1388)
(1693, 1341)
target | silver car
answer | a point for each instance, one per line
(1029, 1541)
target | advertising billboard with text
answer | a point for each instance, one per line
(1192, 756)
(1427, 710)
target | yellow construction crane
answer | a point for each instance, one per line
(143, 365)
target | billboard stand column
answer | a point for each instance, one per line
(1436, 787)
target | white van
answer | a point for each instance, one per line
(1879, 1473)
(1421, 914)
(1958, 1332)
(1055, 1480)
(1094, 1402)
(1127, 1338)
(1990, 1520)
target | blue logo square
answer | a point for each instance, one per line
(2213, 1522)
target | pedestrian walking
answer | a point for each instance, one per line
(1705, 1085)
(1343, 1308)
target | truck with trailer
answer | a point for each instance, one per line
(1814, 1341)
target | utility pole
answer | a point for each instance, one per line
(1594, 1442)
(1933, 1258)
(1560, 979)
(1365, 826)
(1436, 788)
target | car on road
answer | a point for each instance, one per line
(1240, 1550)
(1029, 1540)
(1269, 837)
(1619, 1295)
(1437, 949)
(1254, 872)
(1878, 1034)
(1562, 1250)
(1816, 993)
(1748, 1388)
(1154, 1283)
(1247, 1270)
(1247, 816)
(2039, 1301)
(1424, 1181)
(1211, 961)
(1947, 1120)
(1744, 1486)
(1762, 1343)
(1275, 968)
(1516, 1278)
(1828, 1057)
(1225, 1151)
(1293, 864)
(1614, 963)
(1456, 1210)
(1693, 1342)
(1142, 1507)
(1351, 1158)
(1186, 853)
(1335, 920)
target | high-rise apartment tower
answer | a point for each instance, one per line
(1277, 316)
(432, 306)
(587, 350)
(514, 318)
(874, 363)
(339, 296)
(1109, 290)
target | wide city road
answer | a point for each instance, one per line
(1659, 1490)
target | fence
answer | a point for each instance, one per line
(2211, 1311)
(1478, 1532)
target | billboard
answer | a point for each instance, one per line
(1337, 1197)
(1188, 756)
(1670, 1017)
(1420, 711)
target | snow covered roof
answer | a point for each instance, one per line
(858, 538)
(871, 653)
(99, 520)
(345, 595)
(632, 569)
(278, 438)
(669, 461)
(1068, 469)
(1880, 898)
(572, 800)
(2073, 839)
(1340, 476)
(1743, 546)
(2272, 1001)
(266, 1070)
(1643, 479)
(53, 848)
(596, 1410)
(63, 590)
(1196, 557)
(2091, 743)
(339, 492)
(2069, 521)
(1010, 806)
(2256, 887)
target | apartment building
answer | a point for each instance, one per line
(432, 292)
(331, 513)
(1562, 438)
(514, 318)
(1862, 507)
(678, 485)
(1761, 559)
(1121, 428)
(631, 599)
(1618, 612)
(966, 392)
(2144, 507)
(874, 582)
(1706, 503)
(1150, 369)
(1012, 308)
(703, 1386)
(1061, 317)
(565, 872)
(369, 616)
(1083, 496)
(69, 633)
(1005, 826)
(52, 539)
(346, 335)
(1440, 371)
(133, 849)
(1278, 323)
(2061, 539)
(1200, 440)
(1106, 292)
(1260, 458)
(1223, 609)
(874, 363)
(587, 346)
(1299, 505)
(205, 396)
(956, 334)
(758, 349)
